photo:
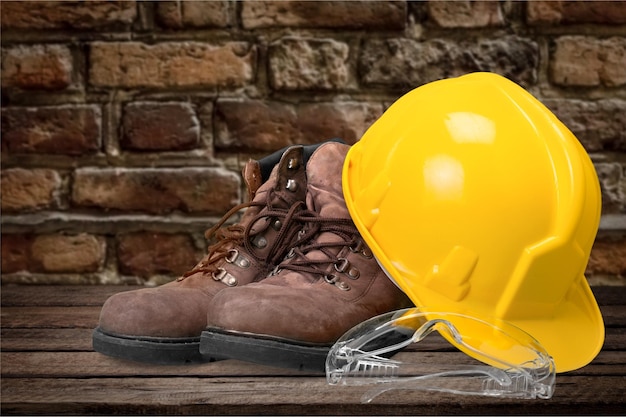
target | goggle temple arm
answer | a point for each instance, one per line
(360, 357)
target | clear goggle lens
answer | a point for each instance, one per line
(498, 359)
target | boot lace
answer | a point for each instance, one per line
(297, 259)
(228, 237)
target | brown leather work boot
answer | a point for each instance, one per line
(326, 285)
(163, 324)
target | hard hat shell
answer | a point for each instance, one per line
(476, 199)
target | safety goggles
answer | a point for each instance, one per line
(498, 359)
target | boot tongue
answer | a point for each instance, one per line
(325, 195)
(251, 174)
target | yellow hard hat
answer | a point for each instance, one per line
(476, 199)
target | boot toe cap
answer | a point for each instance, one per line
(273, 312)
(155, 312)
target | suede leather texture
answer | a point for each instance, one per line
(302, 306)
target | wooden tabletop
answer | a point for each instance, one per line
(48, 366)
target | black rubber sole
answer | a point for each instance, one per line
(263, 350)
(160, 351)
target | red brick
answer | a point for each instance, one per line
(466, 14)
(369, 15)
(28, 190)
(347, 120)
(303, 64)
(608, 257)
(267, 126)
(566, 12)
(612, 177)
(16, 252)
(589, 62)
(68, 253)
(69, 130)
(170, 64)
(146, 254)
(66, 14)
(194, 14)
(52, 253)
(37, 67)
(254, 125)
(157, 190)
(152, 126)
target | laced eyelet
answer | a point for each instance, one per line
(333, 279)
(361, 248)
(277, 224)
(232, 256)
(341, 265)
(330, 278)
(356, 247)
(290, 254)
(219, 274)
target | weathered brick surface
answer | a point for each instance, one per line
(209, 190)
(258, 125)
(74, 253)
(599, 125)
(15, 252)
(29, 189)
(369, 15)
(466, 14)
(69, 130)
(53, 253)
(587, 61)
(309, 63)
(608, 257)
(66, 14)
(194, 14)
(348, 120)
(153, 126)
(266, 126)
(130, 120)
(147, 254)
(37, 67)
(409, 63)
(170, 64)
(564, 12)
(612, 178)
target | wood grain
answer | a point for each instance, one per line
(49, 367)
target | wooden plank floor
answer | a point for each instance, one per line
(49, 367)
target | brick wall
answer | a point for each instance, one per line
(125, 124)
